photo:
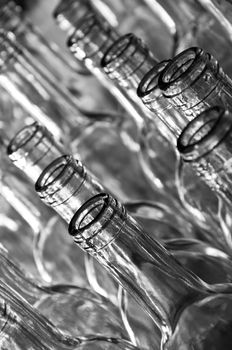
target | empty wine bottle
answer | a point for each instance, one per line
(56, 63)
(23, 327)
(126, 61)
(195, 26)
(43, 230)
(65, 186)
(222, 12)
(136, 17)
(40, 97)
(205, 143)
(191, 82)
(72, 309)
(173, 296)
(89, 37)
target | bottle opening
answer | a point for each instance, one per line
(118, 49)
(204, 133)
(149, 83)
(56, 175)
(89, 214)
(182, 70)
(69, 12)
(23, 137)
(89, 38)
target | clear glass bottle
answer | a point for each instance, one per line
(135, 16)
(126, 61)
(89, 37)
(174, 297)
(191, 82)
(53, 60)
(40, 98)
(33, 149)
(23, 327)
(195, 26)
(72, 309)
(222, 12)
(44, 231)
(206, 144)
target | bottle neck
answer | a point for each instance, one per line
(14, 277)
(46, 102)
(65, 185)
(25, 328)
(127, 61)
(148, 272)
(32, 149)
(192, 82)
(206, 144)
(153, 98)
(90, 40)
(68, 14)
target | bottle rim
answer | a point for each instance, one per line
(101, 201)
(204, 133)
(149, 82)
(56, 171)
(184, 69)
(22, 137)
(118, 48)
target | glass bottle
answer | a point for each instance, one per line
(173, 296)
(126, 61)
(65, 186)
(136, 17)
(32, 149)
(195, 26)
(39, 97)
(205, 144)
(23, 327)
(222, 11)
(72, 309)
(43, 233)
(56, 63)
(191, 82)
(89, 37)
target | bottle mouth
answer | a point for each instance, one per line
(68, 13)
(124, 57)
(204, 133)
(90, 221)
(149, 84)
(23, 137)
(119, 49)
(183, 70)
(90, 38)
(57, 175)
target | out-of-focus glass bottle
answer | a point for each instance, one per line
(195, 26)
(72, 309)
(126, 61)
(172, 296)
(135, 16)
(222, 11)
(23, 327)
(89, 37)
(40, 97)
(57, 64)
